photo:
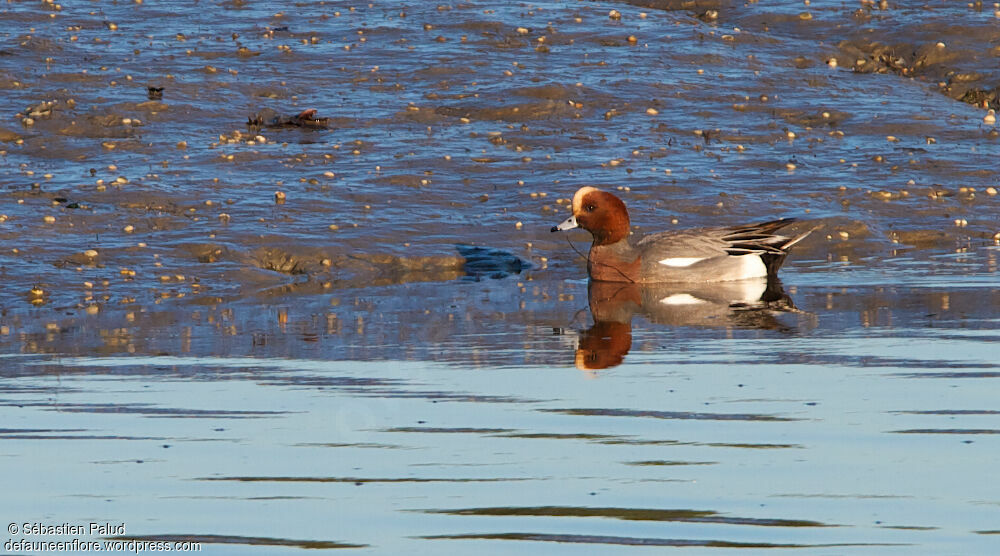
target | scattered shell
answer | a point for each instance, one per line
(990, 117)
(652, 111)
(128, 229)
(615, 15)
(49, 219)
(90, 253)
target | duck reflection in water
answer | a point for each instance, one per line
(742, 304)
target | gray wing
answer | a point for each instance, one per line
(699, 243)
(714, 242)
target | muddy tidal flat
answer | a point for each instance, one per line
(278, 277)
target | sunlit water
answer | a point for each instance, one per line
(238, 373)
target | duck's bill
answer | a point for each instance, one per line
(567, 224)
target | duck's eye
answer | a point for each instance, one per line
(590, 208)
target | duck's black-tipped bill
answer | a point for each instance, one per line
(567, 224)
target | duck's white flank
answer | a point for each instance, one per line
(746, 266)
(681, 261)
(751, 266)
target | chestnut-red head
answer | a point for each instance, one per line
(600, 213)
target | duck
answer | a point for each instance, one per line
(691, 256)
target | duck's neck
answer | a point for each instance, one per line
(614, 231)
(615, 262)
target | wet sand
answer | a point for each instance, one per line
(144, 220)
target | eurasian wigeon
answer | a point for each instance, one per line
(699, 255)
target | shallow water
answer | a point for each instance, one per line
(435, 374)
